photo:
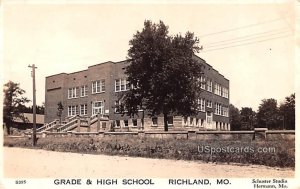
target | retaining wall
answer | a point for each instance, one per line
(192, 135)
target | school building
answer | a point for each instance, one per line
(95, 91)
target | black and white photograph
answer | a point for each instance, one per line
(149, 94)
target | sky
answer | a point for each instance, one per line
(251, 44)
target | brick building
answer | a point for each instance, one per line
(95, 90)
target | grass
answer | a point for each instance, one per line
(283, 156)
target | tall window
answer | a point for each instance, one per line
(202, 82)
(83, 109)
(209, 104)
(218, 109)
(121, 85)
(98, 86)
(97, 107)
(225, 111)
(72, 92)
(83, 91)
(218, 89)
(209, 85)
(117, 103)
(209, 118)
(201, 104)
(225, 92)
(72, 110)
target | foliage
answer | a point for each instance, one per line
(234, 118)
(29, 109)
(60, 109)
(267, 115)
(163, 73)
(13, 103)
(248, 118)
(287, 112)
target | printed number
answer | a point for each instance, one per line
(20, 181)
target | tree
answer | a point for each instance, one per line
(234, 118)
(267, 115)
(163, 73)
(247, 118)
(287, 113)
(29, 109)
(60, 109)
(13, 103)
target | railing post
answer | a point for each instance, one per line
(78, 123)
(98, 122)
(89, 125)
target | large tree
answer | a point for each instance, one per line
(163, 73)
(287, 112)
(248, 118)
(13, 103)
(234, 118)
(267, 115)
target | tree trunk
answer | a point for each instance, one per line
(166, 121)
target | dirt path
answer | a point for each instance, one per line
(28, 163)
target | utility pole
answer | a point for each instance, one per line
(34, 103)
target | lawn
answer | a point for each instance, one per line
(275, 153)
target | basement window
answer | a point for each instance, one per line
(134, 122)
(154, 121)
(125, 123)
(170, 121)
(117, 122)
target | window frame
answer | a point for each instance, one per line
(99, 108)
(98, 86)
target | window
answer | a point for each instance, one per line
(83, 109)
(117, 123)
(121, 85)
(117, 103)
(97, 107)
(134, 122)
(225, 111)
(209, 103)
(154, 121)
(202, 82)
(83, 91)
(185, 121)
(201, 104)
(119, 106)
(218, 89)
(191, 121)
(72, 92)
(225, 92)
(218, 109)
(209, 85)
(98, 86)
(72, 110)
(117, 85)
(126, 123)
(208, 118)
(170, 120)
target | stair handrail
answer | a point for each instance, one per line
(51, 125)
(47, 125)
(69, 128)
(59, 129)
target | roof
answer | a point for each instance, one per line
(29, 118)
